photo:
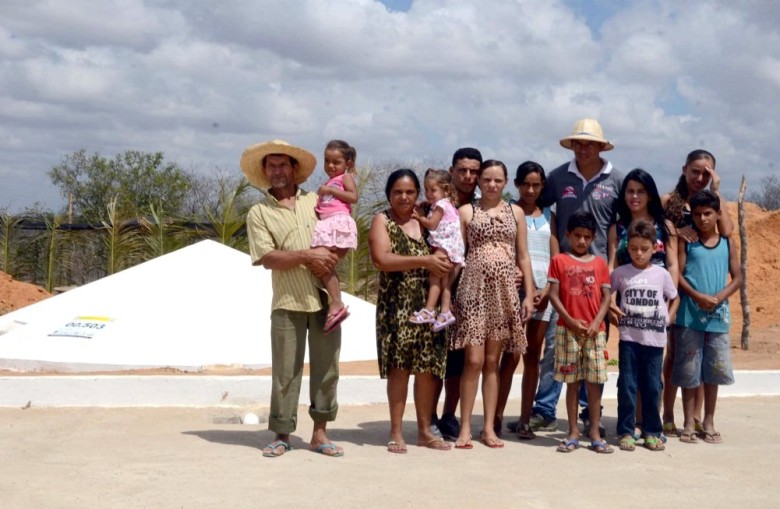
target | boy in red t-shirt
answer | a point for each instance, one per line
(580, 293)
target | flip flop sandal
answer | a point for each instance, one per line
(463, 444)
(335, 319)
(688, 437)
(712, 438)
(492, 443)
(670, 429)
(273, 446)
(627, 443)
(653, 444)
(437, 444)
(568, 445)
(524, 432)
(322, 448)
(601, 447)
(396, 447)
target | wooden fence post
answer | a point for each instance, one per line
(743, 297)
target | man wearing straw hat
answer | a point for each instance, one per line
(280, 231)
(588, 182)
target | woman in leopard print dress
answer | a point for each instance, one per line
(490, 316)
(399, 251)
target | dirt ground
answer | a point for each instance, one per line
(763, 276)
(195, 457)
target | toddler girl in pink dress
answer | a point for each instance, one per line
(335, 228)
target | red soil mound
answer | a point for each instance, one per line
(763, 267)
(16, 294)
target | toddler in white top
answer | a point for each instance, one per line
(443, 225)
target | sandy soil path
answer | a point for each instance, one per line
(75, 458)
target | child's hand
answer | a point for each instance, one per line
(706, 302)
(615, 314)
(527, 310)
(324, 190)
(541, 299)
(592, 330)
(580, 327)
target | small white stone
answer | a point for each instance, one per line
(250, 418)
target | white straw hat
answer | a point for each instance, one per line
(587, 129)
(252, 162)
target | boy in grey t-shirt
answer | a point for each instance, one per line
(648, 297)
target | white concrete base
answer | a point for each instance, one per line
(248, 391)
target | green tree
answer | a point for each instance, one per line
(137, 179)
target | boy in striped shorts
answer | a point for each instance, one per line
(580, 293)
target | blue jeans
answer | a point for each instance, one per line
(549, 391)
(640, 369)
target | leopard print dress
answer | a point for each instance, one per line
(488, 307)
(399, 343)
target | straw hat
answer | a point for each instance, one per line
(587, 129)
(252, 162)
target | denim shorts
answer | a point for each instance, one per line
(701, 357)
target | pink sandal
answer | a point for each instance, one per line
(443, 321)
(333, 320)
(423, 316)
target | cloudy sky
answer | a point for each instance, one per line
(401, 80)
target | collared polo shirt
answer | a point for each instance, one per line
(571, 192)
(272, 226)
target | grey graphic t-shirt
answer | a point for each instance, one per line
(643, 296)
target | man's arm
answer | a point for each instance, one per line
(319, 260)
(264, 251)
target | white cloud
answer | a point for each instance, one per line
(202, 80)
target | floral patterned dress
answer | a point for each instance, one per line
(401, 344)
(487, 303)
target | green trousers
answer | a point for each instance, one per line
(289, 331)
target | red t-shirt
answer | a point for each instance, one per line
(580, 285)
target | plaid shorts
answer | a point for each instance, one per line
(578, 358)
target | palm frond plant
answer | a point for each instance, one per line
(121, 239)
(356, 271)
(162, 235)
(227, 217)
(8, 226)
(52, 249)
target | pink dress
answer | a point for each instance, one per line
(335, 228)
(448, 236)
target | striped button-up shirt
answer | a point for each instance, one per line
(271, 226)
